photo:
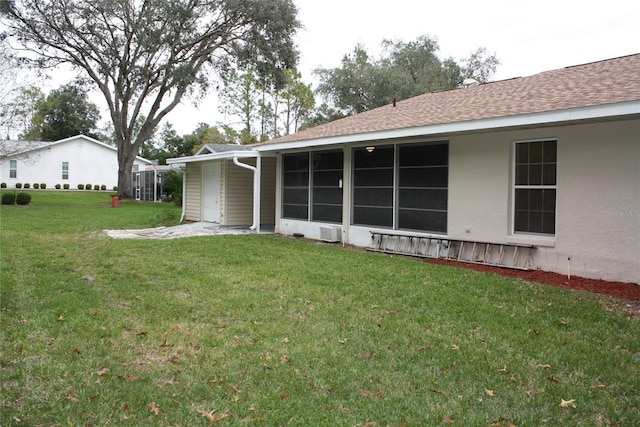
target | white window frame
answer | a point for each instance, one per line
(13, 168)
(515, 187)
(65, 170)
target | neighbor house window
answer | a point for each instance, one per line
(326, 196)
(13, 168)
(403, 187)
(65, 170)
(295, 186)
(535, 187)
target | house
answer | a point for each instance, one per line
(539, 172)
(75, 160)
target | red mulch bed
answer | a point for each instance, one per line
(626, 291)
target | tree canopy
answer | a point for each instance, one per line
(265, 108)
(403, 70)
(65, 112)
(144, 56)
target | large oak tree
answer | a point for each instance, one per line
(144, 56)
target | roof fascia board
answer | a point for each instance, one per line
(544, 118)
(245, 154)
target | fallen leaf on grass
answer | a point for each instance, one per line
(103, 372)
(73, 398)
(211, 416)
(455, 347)
(154, 408)
(127, 378)
(489, 392)
(448, 420)
(545, 366)
(567, 403)
(529, 393)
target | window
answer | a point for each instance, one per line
(13, 168)
(65, 170)
(373, 181)
(423, 178)
(535, 187)
(327, 169)
(402, 187)
(312, 181)
(295, 186)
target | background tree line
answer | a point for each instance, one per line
(258, 109)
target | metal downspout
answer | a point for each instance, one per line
(184, 194)
(256, 191)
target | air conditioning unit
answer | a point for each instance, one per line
(330, 234)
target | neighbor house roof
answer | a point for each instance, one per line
(549, 97)
(11, 148)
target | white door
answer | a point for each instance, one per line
(211, 192)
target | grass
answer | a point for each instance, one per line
(265, 330)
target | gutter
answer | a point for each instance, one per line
(256, 190)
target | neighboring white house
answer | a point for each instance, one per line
(75, 160)
(543, 171)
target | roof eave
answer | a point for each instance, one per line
(245, 154)
(532, 119)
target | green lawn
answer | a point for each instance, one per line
(266, 330)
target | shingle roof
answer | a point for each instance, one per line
(15, 147)
(598, 83)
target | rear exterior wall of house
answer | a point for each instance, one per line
(591, 204)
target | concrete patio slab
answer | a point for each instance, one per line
(183, 230)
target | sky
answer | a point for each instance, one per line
(528, 37)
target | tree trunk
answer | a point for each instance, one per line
(126, 156)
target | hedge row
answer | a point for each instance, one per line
(43, 186)
(13, 198)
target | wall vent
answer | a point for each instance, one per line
(330, 234)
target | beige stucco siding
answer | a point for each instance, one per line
(598, 211)
(193, 197)
(598, 197)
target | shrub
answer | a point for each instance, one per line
(173, 186)
(88, 186)
(65, 186)
(23, 198)
(58, 186)
(8, 198)
(3, 185)
(43, 185)
(96, 187)
(103, 187)
(36, 185)
(115, 188)
(27, 185)
(80, 186)
(18, 185)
